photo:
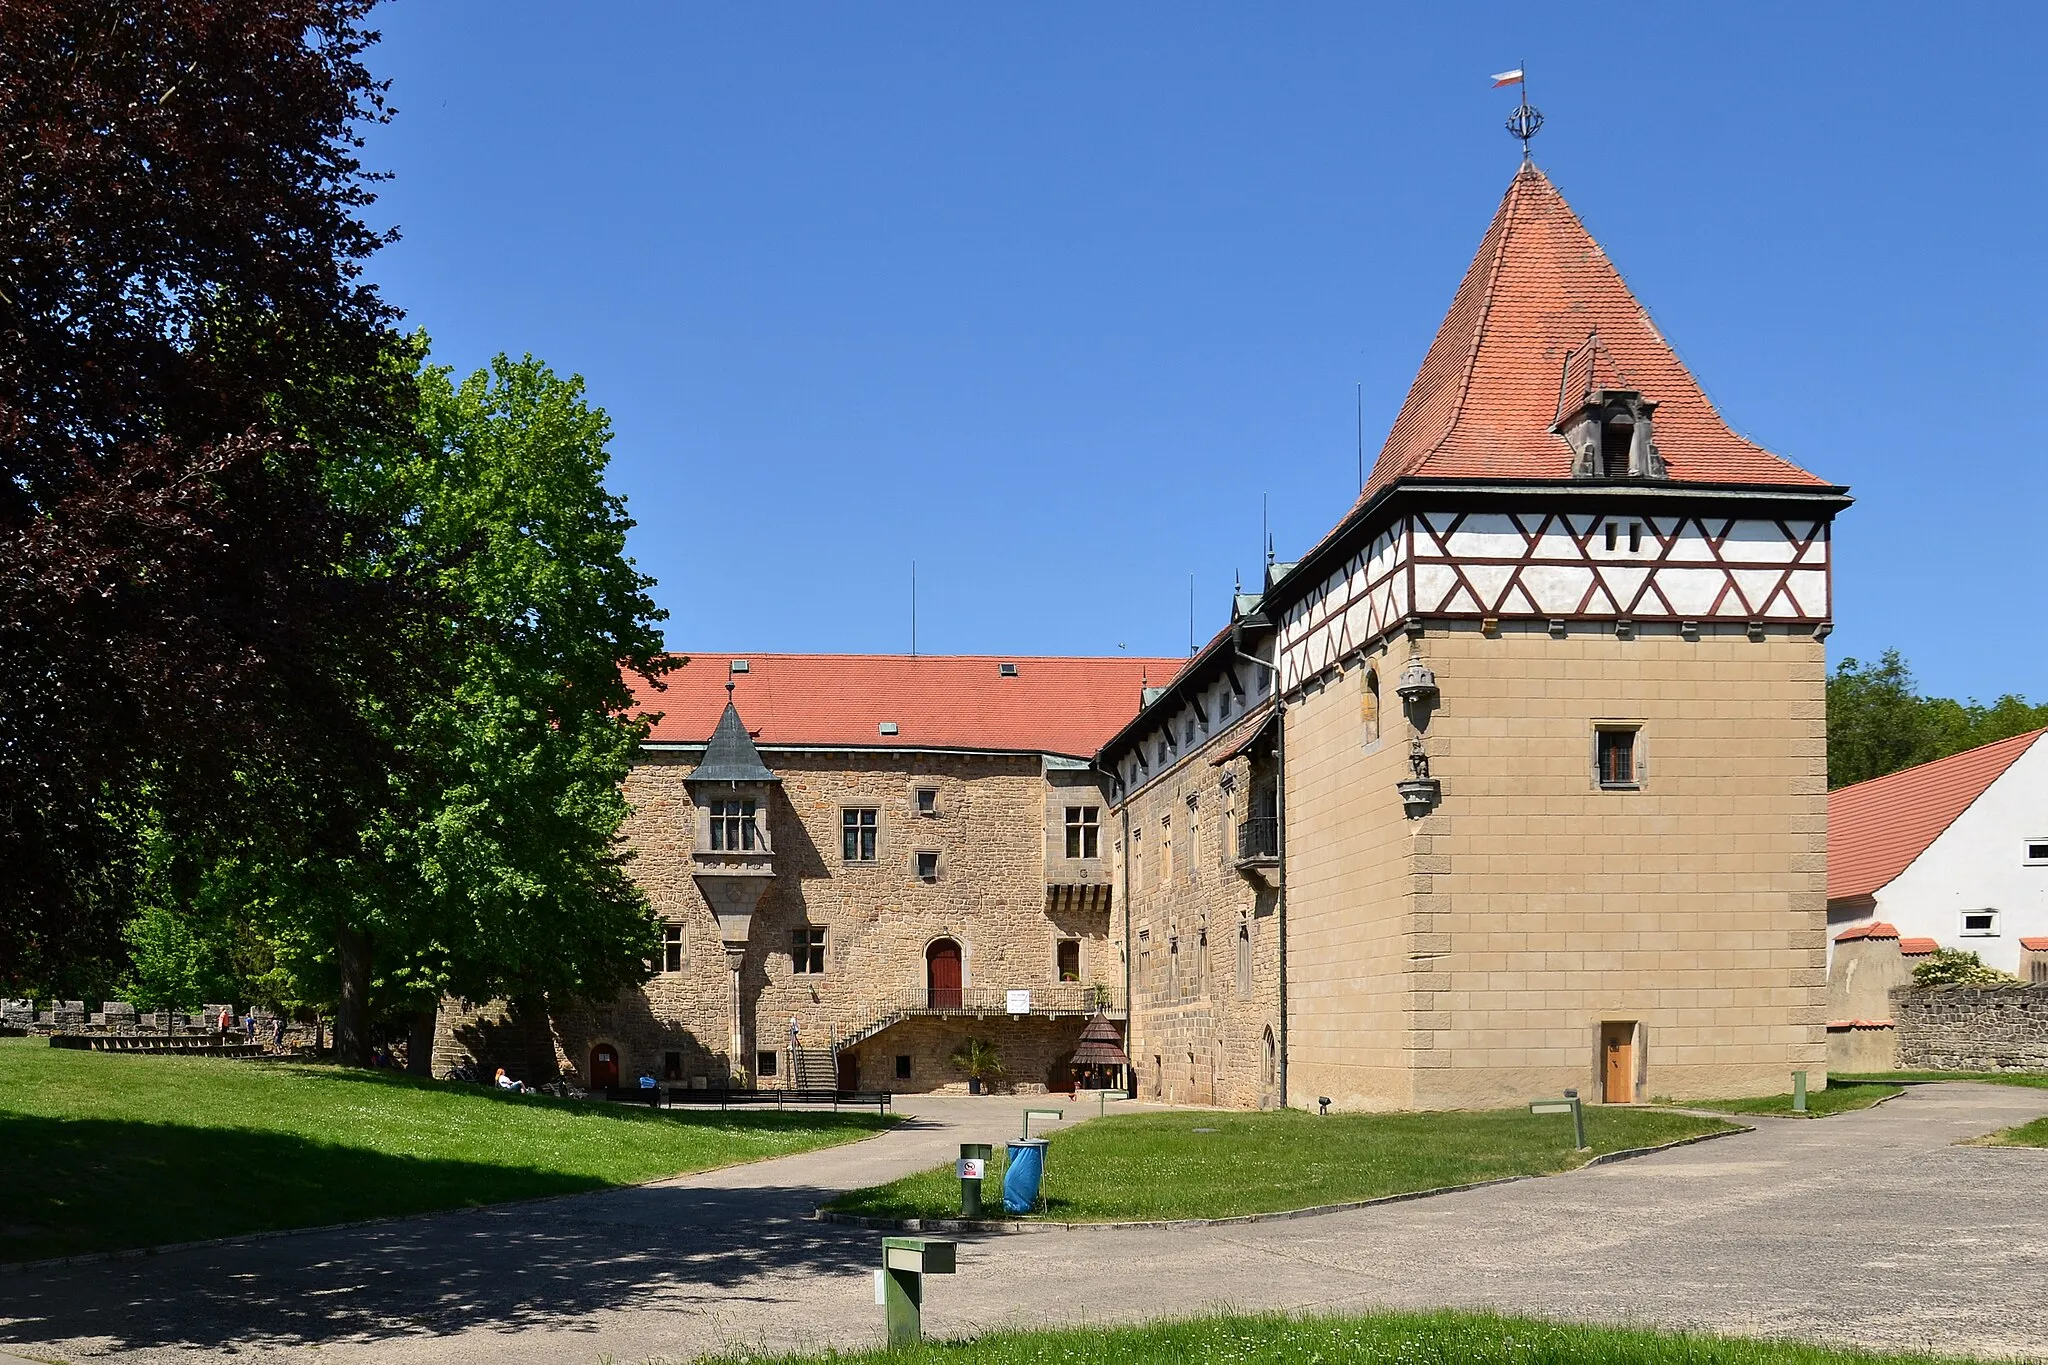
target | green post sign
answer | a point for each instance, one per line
(1568, 1105)
(974, 1159)
(899, 1284)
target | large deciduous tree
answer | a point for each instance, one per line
(188, 617)
(1879, 723)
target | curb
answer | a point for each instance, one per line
(1840, 1113)
(1010, 1227)
(271, 1234)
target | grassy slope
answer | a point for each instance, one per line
(105, 1151)
(1138, 1166)
(1406, 1338)
(1840, 1097)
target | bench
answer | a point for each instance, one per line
(724, 1099)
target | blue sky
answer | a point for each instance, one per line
(1047, 297)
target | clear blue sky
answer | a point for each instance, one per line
(1046, 296)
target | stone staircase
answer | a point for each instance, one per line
(815, 1069)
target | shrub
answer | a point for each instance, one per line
(1955, 967)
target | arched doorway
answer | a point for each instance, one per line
(604, 1067)
(942, 974)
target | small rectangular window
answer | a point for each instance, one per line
(807, 951)
(672, 1066)
(671, 947)
(1635, 537)
(1615, 762)
(764, 1064)
(927, 800)
(2037, 852)
(1613, 534)
(1067, 959)
(1980, 924)
(902, 1066)
(1083, 831)
(857, 835)
(927, 867)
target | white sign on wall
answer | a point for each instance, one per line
(972, 1168)
(1020, 1002)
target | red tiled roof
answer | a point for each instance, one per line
(2035, 945)
(1877, 828)
(1878, 930)
(1487, 395)
(1916, 947)
(1053, 705)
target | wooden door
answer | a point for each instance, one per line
(849, 1071)
(1618, 1062)
(604, 1067)
(942, 974)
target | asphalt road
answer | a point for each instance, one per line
(1871, 1228)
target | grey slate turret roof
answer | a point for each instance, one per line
(731, 755)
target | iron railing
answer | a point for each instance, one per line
(1048, 999)
(1258, 837)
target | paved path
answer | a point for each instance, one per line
(1870, 1228)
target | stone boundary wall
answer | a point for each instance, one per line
(1972, 1028)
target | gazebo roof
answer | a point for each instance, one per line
(1100, 1044)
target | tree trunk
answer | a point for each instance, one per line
(419, 1044)
(352, 1013)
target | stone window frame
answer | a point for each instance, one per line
(813, 936)
(1243, 981)
(1060, 941)
(881, 845)
(1194, 839)
(1638, 755)
(764, 1062)
(917, 865)
(918, 808)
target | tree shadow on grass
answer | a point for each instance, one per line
(500, 1269)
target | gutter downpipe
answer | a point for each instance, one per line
(1130, 1000)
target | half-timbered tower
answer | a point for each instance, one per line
(1549, 737)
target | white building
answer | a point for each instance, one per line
(1955, 851)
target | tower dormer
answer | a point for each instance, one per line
(1604, 419)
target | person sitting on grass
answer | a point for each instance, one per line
(507, 1083)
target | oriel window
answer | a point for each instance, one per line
(732, 826)
(857, 835)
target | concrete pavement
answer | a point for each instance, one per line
(1869, 1228)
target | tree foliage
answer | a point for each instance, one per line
(185, 340)
(1879, 723)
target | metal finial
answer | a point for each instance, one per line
(729, 685)
(1527, 120)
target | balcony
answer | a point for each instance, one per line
(1061, 1000)
(1258, 840)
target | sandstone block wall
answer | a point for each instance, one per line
(1469, 957)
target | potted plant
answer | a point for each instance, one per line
(980, 1059)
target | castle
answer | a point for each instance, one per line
(1515, 781)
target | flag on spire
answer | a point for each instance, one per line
(1501, 78)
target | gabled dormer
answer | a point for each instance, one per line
(1606, 422)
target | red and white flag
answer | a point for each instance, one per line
(1501, 78)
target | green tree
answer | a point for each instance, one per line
(1879, 723)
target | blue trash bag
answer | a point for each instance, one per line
(1021, 1179)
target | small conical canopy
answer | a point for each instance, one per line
(731, 755)
(1100, 1044)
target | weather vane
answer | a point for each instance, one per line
(1527, 118)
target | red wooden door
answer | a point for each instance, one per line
(604, 1067)
(942, 974)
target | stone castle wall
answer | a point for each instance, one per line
(1972, 1028)
(993, 832)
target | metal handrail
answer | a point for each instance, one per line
(1063, 997)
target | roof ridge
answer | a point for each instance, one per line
(1921, 769)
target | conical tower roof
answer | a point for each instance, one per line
(1487, 398)
(1100, 1044)
(731, 755)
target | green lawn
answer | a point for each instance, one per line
(1386, 1339)
(2036, 1079)
(106, 1151)
(2033, 1134)
(1840, 1097)
(1201, 1164)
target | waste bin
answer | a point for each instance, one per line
(1026, 1171)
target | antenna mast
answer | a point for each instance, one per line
(913, 609)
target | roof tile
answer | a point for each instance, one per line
(1917, 947)
(1878, 930)
(1052, 705)
(1877, 828)
(1486, 399)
